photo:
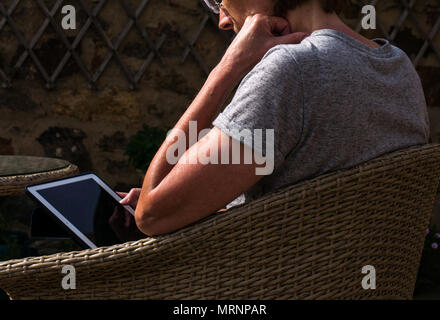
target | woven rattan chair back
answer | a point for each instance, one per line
(306, 241)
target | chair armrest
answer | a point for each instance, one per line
(161, 264)
(41, 277)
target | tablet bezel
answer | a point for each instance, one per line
(32, 190)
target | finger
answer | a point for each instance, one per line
(131, 197)
(136, 195)
(248, 20)
(126, 199)
(292, 38)
(279, 26)
(123, 195)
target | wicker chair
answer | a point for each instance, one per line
(306, 241)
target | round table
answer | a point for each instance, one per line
(16, 172)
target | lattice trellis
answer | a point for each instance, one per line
(154, 47)
(113, 46)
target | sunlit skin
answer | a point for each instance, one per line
(174, 196)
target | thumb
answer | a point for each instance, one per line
(127, 198)
(292, 38)
(124, 200)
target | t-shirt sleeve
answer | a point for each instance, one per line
(269, 99)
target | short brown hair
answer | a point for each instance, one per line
(329, 6)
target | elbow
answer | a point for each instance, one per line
(147, 218)
(146, 223)
(155, 217)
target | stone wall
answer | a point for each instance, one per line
(91, 127)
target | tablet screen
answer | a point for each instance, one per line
(91, 209)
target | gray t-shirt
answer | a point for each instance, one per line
(333, 101)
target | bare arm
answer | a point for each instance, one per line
(221, 81)
(247, 49)
(174, 196)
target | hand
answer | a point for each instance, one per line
(258, 34)
(124, 226)
(131, 198)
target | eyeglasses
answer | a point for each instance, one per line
(217, 6)
(214, 5)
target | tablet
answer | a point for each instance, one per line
(88, 209)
